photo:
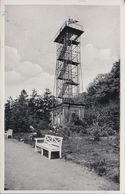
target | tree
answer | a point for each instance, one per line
(8, 113)
(47, 104)
(27, 111)
(102, 103)
(16, 113)
(20, 113)
(105, 87)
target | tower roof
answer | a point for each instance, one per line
(72, 27)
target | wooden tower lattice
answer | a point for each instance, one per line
(68, 59)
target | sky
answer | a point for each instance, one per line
(30, 53)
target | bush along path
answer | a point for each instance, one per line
(27, 170)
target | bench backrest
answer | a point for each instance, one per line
(53, 140)
(10, 132)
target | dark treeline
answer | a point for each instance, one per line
(28, 112)
(102, 107)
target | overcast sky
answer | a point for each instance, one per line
(31, 54)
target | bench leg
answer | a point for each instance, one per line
(49, 155)
(60, 154)
(42, 152)
(35, 148)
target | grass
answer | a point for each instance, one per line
(98, 156)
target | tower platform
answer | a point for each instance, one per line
(71, 28)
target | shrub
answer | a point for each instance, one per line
(9, 137)
(95, 131)
(96, 136)
(114, 174)
(99, 167)
(75, 119)
(29, 141)
(104, 133)
(110, 131)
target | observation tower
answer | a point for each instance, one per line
(68, 67)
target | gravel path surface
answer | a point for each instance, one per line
(27, 170)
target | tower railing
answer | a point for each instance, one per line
(71, 23)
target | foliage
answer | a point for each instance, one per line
(28, 112)
(105, 87)
(105, 117)
(102, 104)
(99, 167)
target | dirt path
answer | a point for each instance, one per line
(27, 170)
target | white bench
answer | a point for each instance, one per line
(50, 143)
(9, 133)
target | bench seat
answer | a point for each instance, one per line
(47, 146)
